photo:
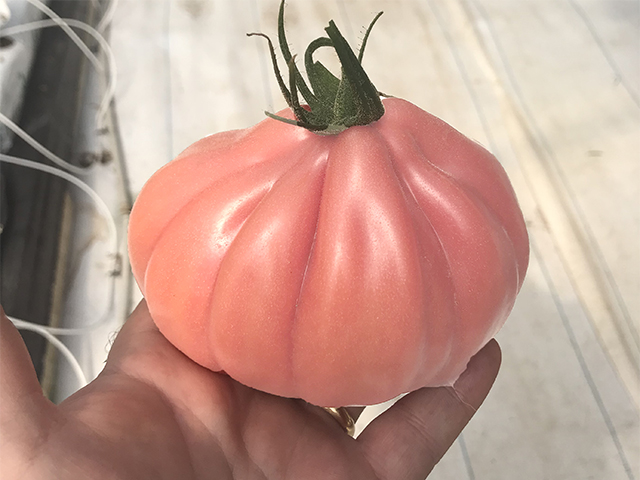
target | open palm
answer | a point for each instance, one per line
(153, 413)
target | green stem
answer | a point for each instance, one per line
(334, 104)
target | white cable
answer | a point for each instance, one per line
(108, 16)
(62, 348)
(66, 24)
(39, 147)
(76, 39)
(68, 331)
(101, 206)
(104, 45)
(104, 210)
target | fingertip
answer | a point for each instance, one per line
(490, 356)
(477, 380)
(493, 348)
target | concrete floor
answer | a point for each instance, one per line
(552, 88)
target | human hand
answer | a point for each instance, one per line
(153, 413)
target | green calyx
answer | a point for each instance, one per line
(333, 104)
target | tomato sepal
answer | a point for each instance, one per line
(333, 104)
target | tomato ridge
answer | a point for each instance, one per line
(457, 323)
(298, 158)
(294, 322)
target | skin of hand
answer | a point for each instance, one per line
(154, 414)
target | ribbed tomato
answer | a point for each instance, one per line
(342, 269)
(368, 254)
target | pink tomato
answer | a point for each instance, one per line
(343, 269)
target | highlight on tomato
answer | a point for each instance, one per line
(344, 251)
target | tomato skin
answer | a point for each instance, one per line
(342, 269)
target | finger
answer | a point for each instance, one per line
(412, 436)
(19, 380)
(138, 333)
(141, 351)
(23, 408)
(139, 321)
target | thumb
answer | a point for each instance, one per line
(23, 408)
